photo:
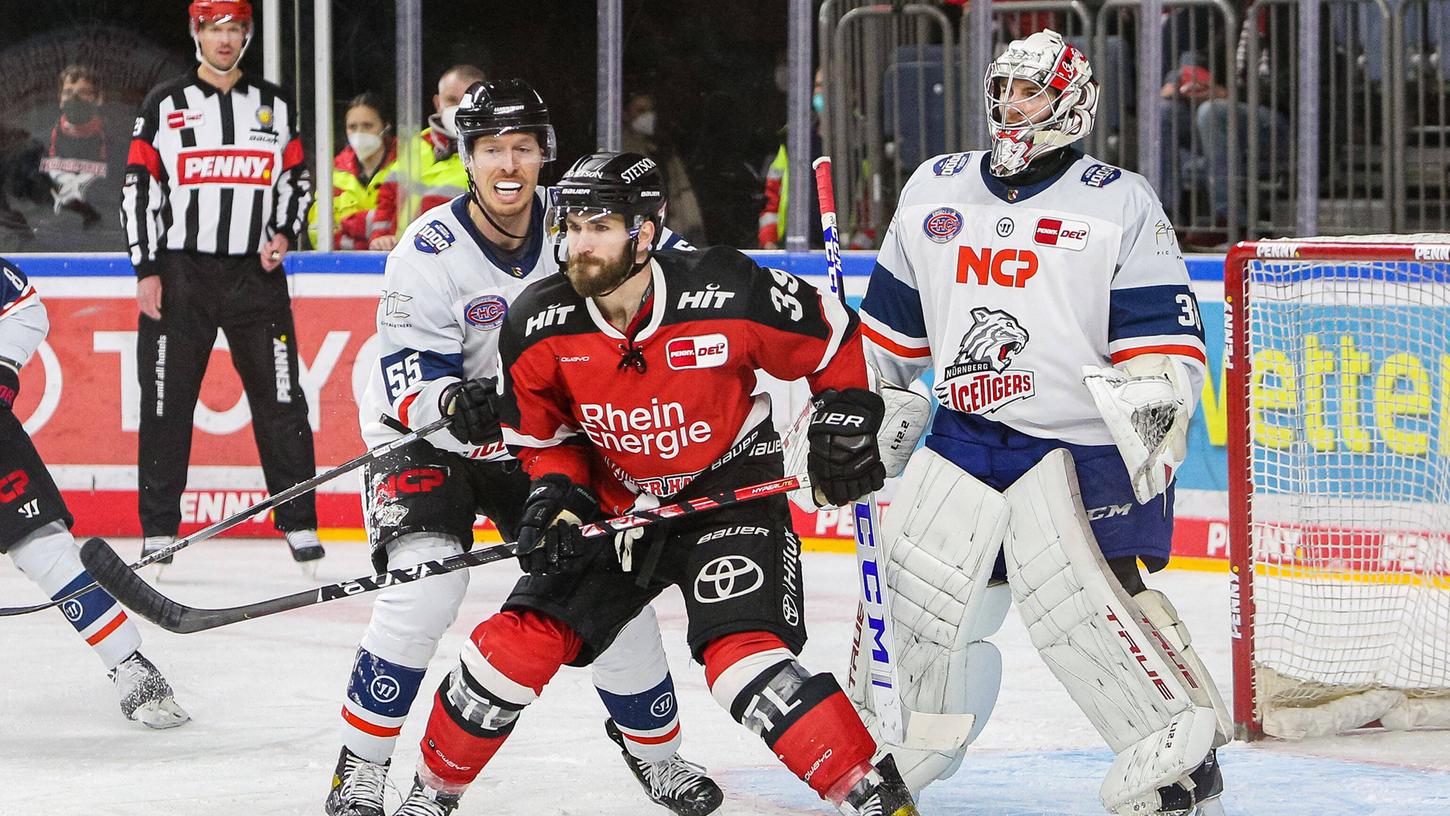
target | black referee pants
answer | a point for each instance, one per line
(199, 295)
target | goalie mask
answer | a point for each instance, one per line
(217, 12)
(603, 183)
(1040, 97)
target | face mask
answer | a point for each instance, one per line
(78, 111)
(365, 144)
(818, 103)
(644, 124)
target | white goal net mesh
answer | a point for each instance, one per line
(1349, 439)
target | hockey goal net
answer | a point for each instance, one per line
(1338, 387)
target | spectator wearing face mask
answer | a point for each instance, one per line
(772, 226)
(440, 173)
(359, 172)
(642, 135)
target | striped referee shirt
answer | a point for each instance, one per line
(213, 172)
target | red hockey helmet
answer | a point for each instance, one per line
(220, 11)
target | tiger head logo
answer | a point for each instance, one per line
(994, 339)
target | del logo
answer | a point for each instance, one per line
(1004, 267)
(1055, 232)
(942, 225)
(182, 119)
(705, 351)
(486, 311)
(227, 167)
(433, 238)
(980, 380)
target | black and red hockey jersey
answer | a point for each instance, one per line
(660, 406)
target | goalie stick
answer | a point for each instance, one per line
(231, 521)
(112, 573)
(873, 613)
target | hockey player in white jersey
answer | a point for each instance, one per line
(447, 286)
(1045, 294)
(35, 524)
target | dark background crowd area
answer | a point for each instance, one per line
(710, 67)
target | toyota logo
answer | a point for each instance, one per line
(384, 689)
(726, 577)
(789, 610)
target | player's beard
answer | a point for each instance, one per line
(593, 276)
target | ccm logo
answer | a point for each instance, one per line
(1005, 267)
(227, 167)
(1055, 232)
(705, 351)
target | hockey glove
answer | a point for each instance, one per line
(844, 462)
(1146, 402)
(473, 404)
(549, 529)
(9, 385)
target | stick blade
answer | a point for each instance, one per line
(116, 577)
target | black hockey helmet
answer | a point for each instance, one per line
(602, 183)
(503, 106)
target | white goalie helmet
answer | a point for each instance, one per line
(1062, 77)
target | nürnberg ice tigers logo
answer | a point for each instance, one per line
(980, 380)
(995, 339)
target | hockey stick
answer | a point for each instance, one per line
(885, 697)
(132, 591)
(266, 504)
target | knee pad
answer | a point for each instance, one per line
(409, 619)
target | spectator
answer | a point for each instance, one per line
(642, 135)
(440, 173)
(358, 173)
(1184, 89)
(77, 159)
(772, 223)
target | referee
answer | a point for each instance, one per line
(216, 192)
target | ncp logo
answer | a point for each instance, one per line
(384, 689)
(704, 351)
(726, 577)
(1003, 267)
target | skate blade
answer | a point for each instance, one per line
(309, 568)
(155, 571)
(160, 714)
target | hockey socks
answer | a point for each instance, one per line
(504, 667)
(379, 695)
(805, 718)
(50, 558)
(633, 679)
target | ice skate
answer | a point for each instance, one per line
(425, 801)
(146, 697)
(151, 544)
(674, 783)
(1205, 799)
(358, 787)
(880, 793)
(306, 550)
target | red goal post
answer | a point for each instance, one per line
(1338, 384)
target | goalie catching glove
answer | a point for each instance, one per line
(473, 404)
(549, 530)
(1146, 402)
(844, 461)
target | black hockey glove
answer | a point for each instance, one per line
(9, 385)
(549, 529)
(473, 404)
(844, 462)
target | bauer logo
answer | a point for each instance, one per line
(1055, 232)
(1100, 175)
(434, 238)
(950, 165)
(726, 577)
(226, 167)
(705, 351)
(942, 225)
(486, 312)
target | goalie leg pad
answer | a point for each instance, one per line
(1163, 617)
(1099, 643)
(940, 540)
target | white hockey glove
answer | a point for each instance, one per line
(906, 416)
(1146, 402)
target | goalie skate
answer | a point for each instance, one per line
(146, 697)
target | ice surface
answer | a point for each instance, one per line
(265, 699)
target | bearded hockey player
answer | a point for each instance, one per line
(448, 284)
(1044, 292)
(628, 381)
(35, 524)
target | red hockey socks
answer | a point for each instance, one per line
(504, 667)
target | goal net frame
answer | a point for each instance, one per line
(1332, 709)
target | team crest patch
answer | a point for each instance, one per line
(1100, 175)
(264, 116)
(942, 225)
(950, 165)
(434, 238)
(981, 378)
(486, 312)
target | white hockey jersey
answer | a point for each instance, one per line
(445, 293)
(23, 321)
(1007, 292)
